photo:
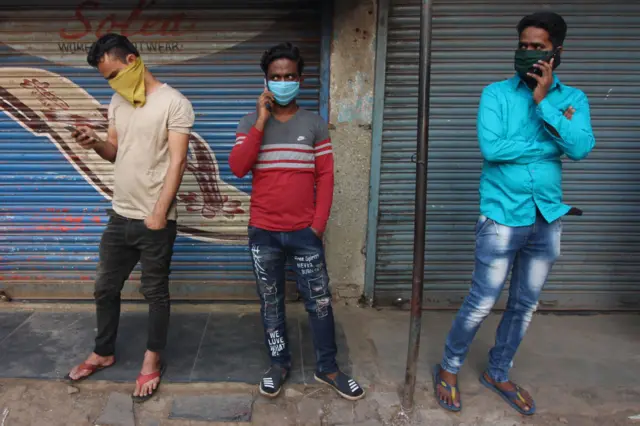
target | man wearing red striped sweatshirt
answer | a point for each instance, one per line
(288, 150)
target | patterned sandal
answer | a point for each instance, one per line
(510, 397)
(453, 390)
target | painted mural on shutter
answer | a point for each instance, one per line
(54, 194)
(473, 45)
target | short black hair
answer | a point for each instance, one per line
(282, 50)
(551, 22)
(113, 44)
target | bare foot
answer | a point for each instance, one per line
(511, 387)
(445, 394)
(78, 372)
(151, 364)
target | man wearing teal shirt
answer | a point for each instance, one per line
(525, 125)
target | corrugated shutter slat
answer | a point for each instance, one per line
(473, 43)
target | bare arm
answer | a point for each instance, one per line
(109, 149)
(178, 147)
(88, 139)
(179, 123)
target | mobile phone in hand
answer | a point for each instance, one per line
(266, 87)
(552, 55)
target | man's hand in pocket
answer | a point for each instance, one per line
(155, 222)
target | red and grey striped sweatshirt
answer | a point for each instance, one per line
(292, 166)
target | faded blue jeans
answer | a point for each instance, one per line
(528, 252)
(304, 250)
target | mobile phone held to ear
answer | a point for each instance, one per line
(552, 55)
(266, 87)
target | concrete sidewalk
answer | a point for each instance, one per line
(582, 370)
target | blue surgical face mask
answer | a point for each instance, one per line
(284, 91)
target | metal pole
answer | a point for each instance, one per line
(420, 205)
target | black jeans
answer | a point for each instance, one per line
(269, 252)
(124, 243)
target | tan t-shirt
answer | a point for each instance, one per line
(143, 150)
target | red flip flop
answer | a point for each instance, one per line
(91, 368)
(146, 378)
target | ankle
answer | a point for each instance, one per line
(448, 377)
(150, 356)
(95, 357)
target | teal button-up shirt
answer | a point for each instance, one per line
(522, 169)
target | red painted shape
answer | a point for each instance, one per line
(68, 219)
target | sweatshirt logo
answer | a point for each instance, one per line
(301, 138)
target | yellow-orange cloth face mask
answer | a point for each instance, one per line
(129, 83)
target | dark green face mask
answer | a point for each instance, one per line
(525, 59)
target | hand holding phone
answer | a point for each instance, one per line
(85, 136)
(553, 55)
(542, 73)
(264, 105)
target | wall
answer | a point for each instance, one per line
(352, 79)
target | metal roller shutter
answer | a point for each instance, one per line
(473, 43)
(54, 194)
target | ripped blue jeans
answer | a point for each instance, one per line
(270, 252)
(528, 252)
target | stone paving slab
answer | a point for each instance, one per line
(45, 345)
(10, 321)
(213, 408)
(117, 412)
(202, 347)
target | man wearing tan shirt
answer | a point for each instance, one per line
(147, 139)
